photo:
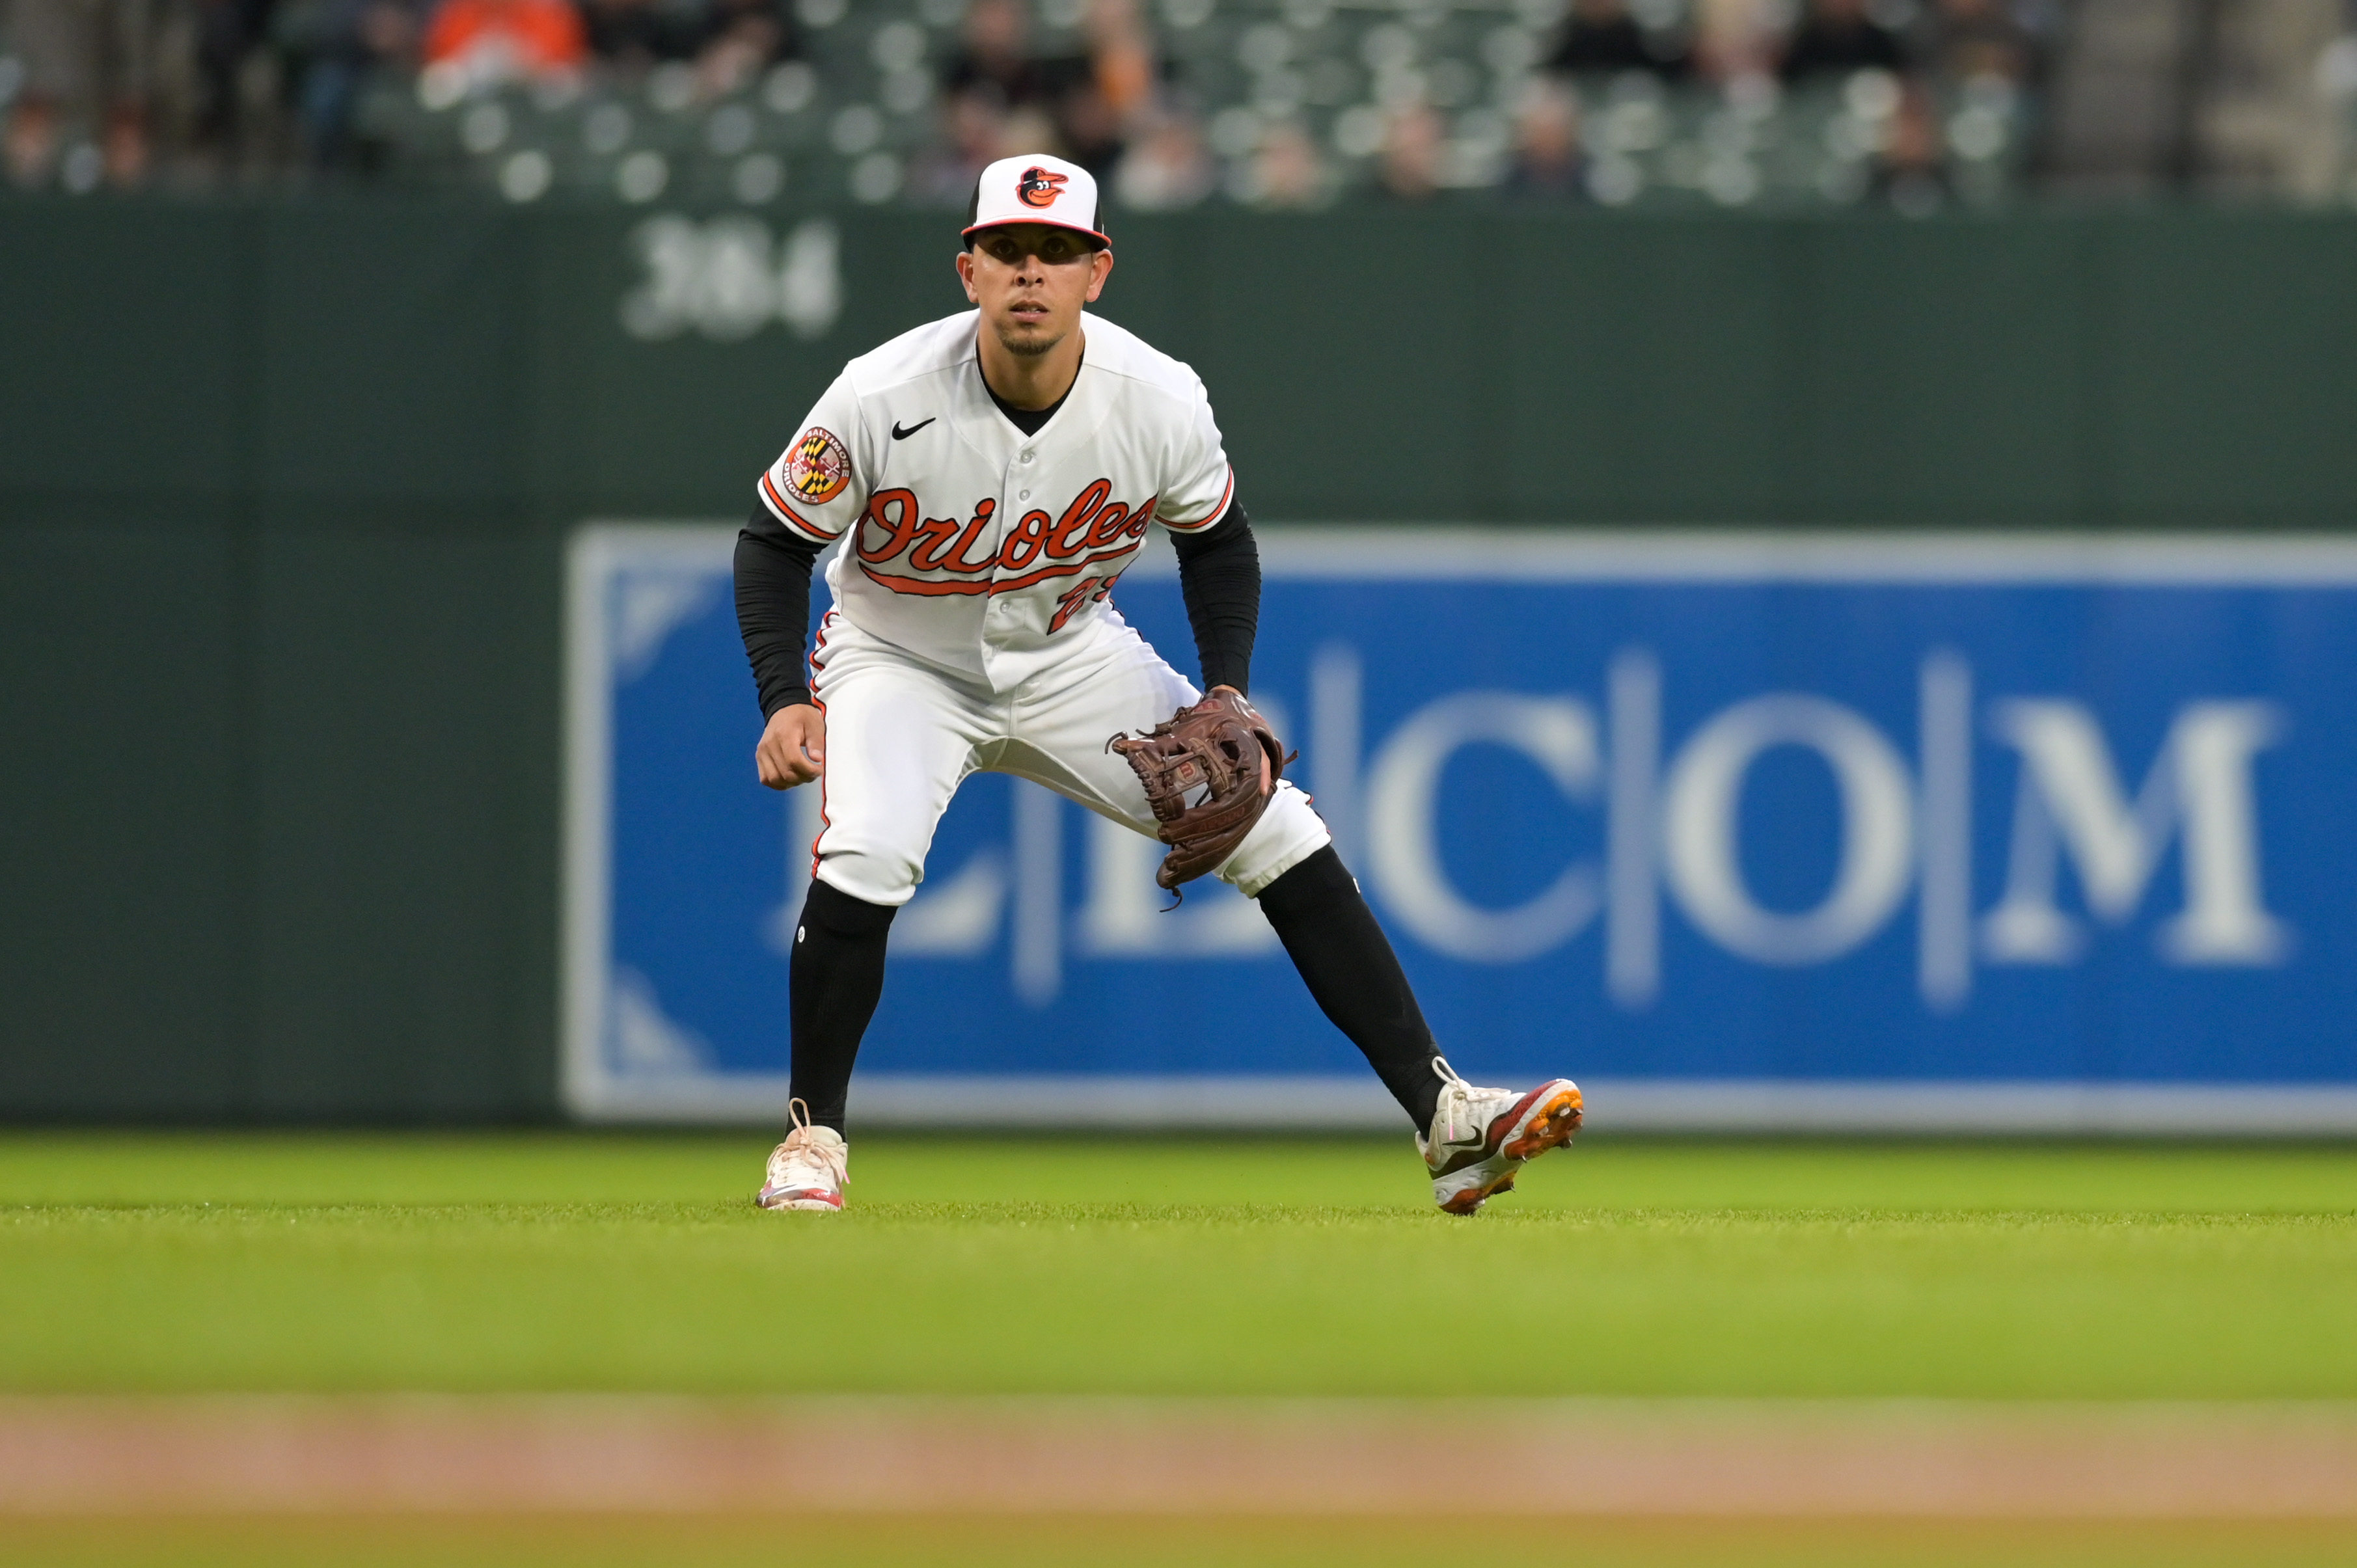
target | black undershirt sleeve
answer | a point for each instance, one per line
(773, 585)
(1219, 576)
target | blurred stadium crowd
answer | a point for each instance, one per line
(1275, 104)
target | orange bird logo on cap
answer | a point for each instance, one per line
(1038, 188)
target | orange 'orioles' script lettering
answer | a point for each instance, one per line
(900, 526)
(929, 556)
(1023, 545)
(1093, 530)
(1074, 529)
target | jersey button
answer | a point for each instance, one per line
(1025, 496)
(1026, 457)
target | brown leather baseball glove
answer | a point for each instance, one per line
(1209, 773)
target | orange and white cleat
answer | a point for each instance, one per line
(1481, 1137)
(809, 1169)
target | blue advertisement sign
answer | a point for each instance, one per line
(1740, 830)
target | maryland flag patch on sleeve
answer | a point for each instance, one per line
(818, 466)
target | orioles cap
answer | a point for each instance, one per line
(1036, 187)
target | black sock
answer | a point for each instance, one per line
(838, 973)
(1350, 968)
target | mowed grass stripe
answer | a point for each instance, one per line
(542, 1262)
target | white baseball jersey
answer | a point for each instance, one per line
(979, 548)
(970, 631)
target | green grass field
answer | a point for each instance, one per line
(165, 1263)
(578, 1262)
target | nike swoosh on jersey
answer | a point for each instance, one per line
(900, 434)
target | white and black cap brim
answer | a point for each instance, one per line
(1036, 187)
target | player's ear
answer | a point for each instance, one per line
(965, 275)
(1099, 269)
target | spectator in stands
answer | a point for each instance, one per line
(996, 59)
(1603, 38)
(1121, 64)
(1089, 127)
(506, 40)
(1167, 166)
(86, 67)
(1911, 174)
(629, 37)
(1736, 38)
(229, 36)
(1030, 99)
(1287, 170)
(1962, 40)
(1547, 157)
(1027, 129)
(356, 40)
(741, 39)
(974, 132)
(1411, 158)
(1101, 95)
(1837, 37)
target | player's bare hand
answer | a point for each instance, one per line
(793, 746)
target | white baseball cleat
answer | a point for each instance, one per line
(809, 1169)
(1481, 1137)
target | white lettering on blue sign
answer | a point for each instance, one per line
(1763, 812)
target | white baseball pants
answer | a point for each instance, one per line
(902, 735)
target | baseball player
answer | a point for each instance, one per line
(991, 475)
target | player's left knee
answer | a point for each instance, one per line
(1288, 833)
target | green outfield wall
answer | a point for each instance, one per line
(284, 486)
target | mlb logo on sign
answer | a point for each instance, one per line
(1876, 831)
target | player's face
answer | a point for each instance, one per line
(1031, 281)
